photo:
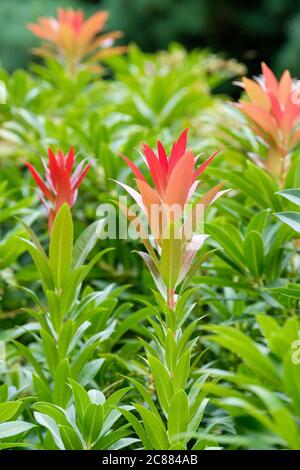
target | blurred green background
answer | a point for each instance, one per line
(250, 31)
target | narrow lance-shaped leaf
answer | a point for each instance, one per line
(170, 262)
(61, 245)
(292, 219)
(254, 253)
(178, 417)
(292, 195)
(86, 242)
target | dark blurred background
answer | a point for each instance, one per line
(250, 31)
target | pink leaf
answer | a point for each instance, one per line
(180, 181)
(133, 167)
(178, 150)
(204, 165)
(44, 188)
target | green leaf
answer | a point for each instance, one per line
(70, 438)
(258, 222)
(198, 409)
(89, 370)
(42, 390)
(284, 422)
(171, 351)
(294, 292)
(163, 384)
(265, 184)
(290, 218)
(92, 423)
(246, 186)
(8, 410)
(107, 441)
(96, 397)
(292, 179)
(274, 335)
(11, 445)
(145, 394)
(50, 351)
(170, 261)
(71, 289)
(53, 411)
(178, 416)
(3, 393)
(85, 243)
(113, 399)
(198, 261)
(154, 428)
(130, 322)
(65, 338)
(291, 372)
(13, 428)
(246, 349)
(33, 237)
(292, 195)
(41, 263)
(177, 446)
(154, 271)
(229, 238)
(55, 309)
(50, 424)
(82, 399)
(182, 371)
(87, 268)
(254, 253)
(61, 391)
(31, 359)
(82, 358)
(138, 428)
(61, 245)
(180, 307)
(223, 282)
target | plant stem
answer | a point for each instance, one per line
(171, 302)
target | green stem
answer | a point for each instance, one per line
(171, 302)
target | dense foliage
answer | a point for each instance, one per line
(249, 31)
(94, 354)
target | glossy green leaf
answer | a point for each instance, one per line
(182, 371)
(138, 428)
(154, 428)
(292, 195)
(254, 253)
(85, 243)
(246, 349)
(13, 428)
(65, 338)
(171, 351)
(61, 390)
(41, 263)
(290, 218)
(162, 382)
(291, 292)
(170, 261)
(70, 438)
(3, 392)
(82, 399)
(92, 423)
(53, 411)
(61, 245)
(8, 410)
(178, 416)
